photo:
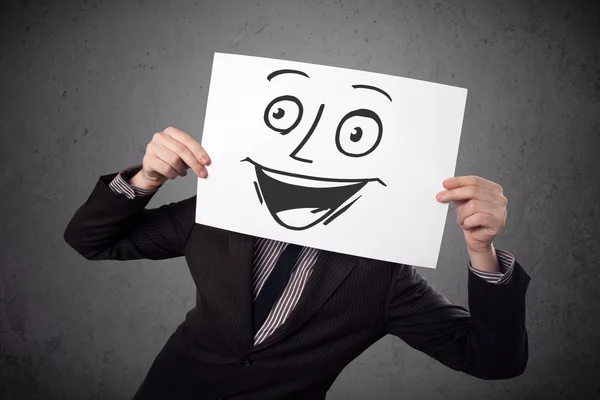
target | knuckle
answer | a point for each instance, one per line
(503, 201)
(173, 158)
(185, 136)
(181, 149)
(190, 158)
(149, 162)
(160, 168)
(179, 164)
(472, 220)
(471, 206)
(171, 173)
(192, 145)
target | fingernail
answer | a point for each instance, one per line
(202, 174)
(440, 197)
(204, 160)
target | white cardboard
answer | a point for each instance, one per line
(417, 149)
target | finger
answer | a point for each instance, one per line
(184, 153)
(474, 207)
(471, 180)
(480, 220)
(191, 143)
(158, 165)
(169, 157)
(470, 192)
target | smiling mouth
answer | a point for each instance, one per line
(299, 202)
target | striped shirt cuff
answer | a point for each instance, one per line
(119, 184)
(506, 262)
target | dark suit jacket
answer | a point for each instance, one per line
(348, 304)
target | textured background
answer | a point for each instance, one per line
(85, 84)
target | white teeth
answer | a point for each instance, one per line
(300, 217)
(293, 180)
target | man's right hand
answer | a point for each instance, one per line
(168, 156)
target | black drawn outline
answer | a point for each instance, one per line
(314, 178)
(362, 112)
(308, 135)
(277, 100)
(383, 92)
(341, 211)
(281, 196)
(285, 71)
(258, 192)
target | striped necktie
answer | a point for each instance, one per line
(274, 285)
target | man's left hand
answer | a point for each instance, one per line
(480, 209)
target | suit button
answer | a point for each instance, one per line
(247, 362)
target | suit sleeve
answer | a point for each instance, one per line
(488, 342)
(120, 184)
(111, 225)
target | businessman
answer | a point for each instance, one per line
(279, 321)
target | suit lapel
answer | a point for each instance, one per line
(241, 252)
(329, 271)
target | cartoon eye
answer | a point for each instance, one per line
(283, 114)
(358, 133)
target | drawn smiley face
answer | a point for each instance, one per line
(299, 202)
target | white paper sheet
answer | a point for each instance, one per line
(338, 159)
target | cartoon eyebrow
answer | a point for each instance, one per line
(372, 88)
(285, 71)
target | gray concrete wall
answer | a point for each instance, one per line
(84, 85)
